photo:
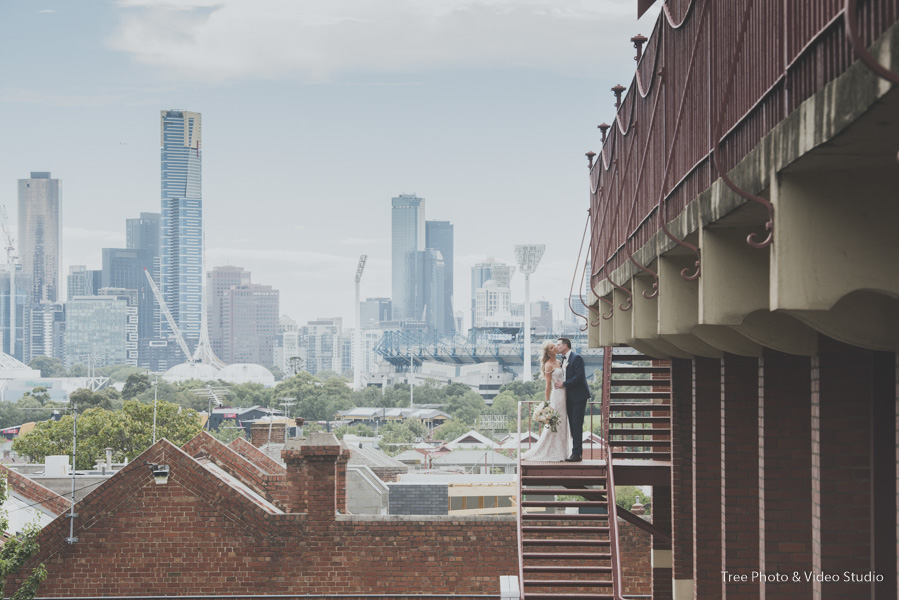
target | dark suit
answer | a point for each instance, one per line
(577, 393)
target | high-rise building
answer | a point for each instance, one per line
(96, 326)
(82, 281)
(289, 352)
(40, 234)
(181, 225)
(439, 236)
(493, 306)
(123, 268)
(407, 235)
(15, 312)
(218, 281)
(481, 273)
(142, 233)
(130, 298)
(249, 317)
(425, 290)
(323, 344)
(374, 310)
(46, 328)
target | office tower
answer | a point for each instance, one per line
(493, 306)
(249, 317)
(40, 234)
(142, 233)
(96, 326)
(323, 344)
(407, 235)
(123, 268)
(82, 281)
(439, 236)
(130, 297)
(481, 273)
(425, 290)
(218, 281)
(375, 310)
(289, 353)
(15, 312)
(46, 328)
(181, 225)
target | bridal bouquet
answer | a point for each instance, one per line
(546, 416)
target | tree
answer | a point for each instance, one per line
(466, 406)
(84, 399)
(628, 495)
(48, 366)
(451, 430)
(128, 432)
(359, 429)
(16, 551)
(397, 438)
(246, 395)
(135, 384)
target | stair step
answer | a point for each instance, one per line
(565, 556)
(634, 406)
(634, 370)
(635, 431)
(638, 395)
(650, 455)
(567, 569)
(564, 596)
(639, 420)
(577, 503)
(563, 517)
(630, 357)
(639, 382)
(569, 583)
(564, 529)
(563, 542)
(564, 492)
(638, 443)
(561, 479)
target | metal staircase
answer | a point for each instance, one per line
(567, 517)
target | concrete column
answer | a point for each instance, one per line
(707, 504)
(740, 474)
(841, 468)
(682, 478)
(785, 467)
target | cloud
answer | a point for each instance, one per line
(223, 40)
(47, 11)
(22, 96)
(108, 239)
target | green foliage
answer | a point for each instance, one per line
(77, 371)
(524, 390)
(316, 401)
(278, 373)
(245, 395)
(84, 399)
(48, 366)
(399, 437)
(136, 384)
(128, 432)
(464, 404)
(359, 429)
(451, 430)
(119, 373)
(627, 495)
(227, 433)
(16, 551)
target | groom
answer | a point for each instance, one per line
(576, 395)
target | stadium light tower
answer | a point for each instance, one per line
(528, 257)
(357, 345)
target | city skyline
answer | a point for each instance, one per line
(319, 163)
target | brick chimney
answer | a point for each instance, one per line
(259, 433)
(316, 475)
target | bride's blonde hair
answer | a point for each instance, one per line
(549, 353)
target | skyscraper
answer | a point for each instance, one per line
(439, 236)
(181, 227)
(408, 235)
(218, 281)
(425, 290)
(481, 273)
(40, 234)
(82, 281)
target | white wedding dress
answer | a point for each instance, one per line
(553, 445)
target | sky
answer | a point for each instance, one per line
(315, 114)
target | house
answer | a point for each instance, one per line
(28, 502)
(486, 461)
(472, 439)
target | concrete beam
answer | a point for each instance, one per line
(734, 278)
(780, 332)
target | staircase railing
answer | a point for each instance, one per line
(610, 476)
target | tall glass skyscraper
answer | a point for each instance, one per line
(439, 236)
(181, 227)
(40, 234)
(408, 235)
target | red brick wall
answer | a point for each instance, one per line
(34, 491)
(636, 559)
(195, 536)
(707, 477)
(682, 467)
(739, 472)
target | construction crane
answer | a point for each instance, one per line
(11, 259)
(168, 317)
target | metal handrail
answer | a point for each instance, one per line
(610, 477)
(519, 519)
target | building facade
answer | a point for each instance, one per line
(249, 317)
(322, 339)
(40, 234)
(181, 223)
(375, 310)
(407, 235)
(82, 281)
(46, 328)
(218, 281)
(96, 326)
(439, 237)
(15, 311)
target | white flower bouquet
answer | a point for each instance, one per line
(546, 416)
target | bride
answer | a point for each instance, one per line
(552, 445)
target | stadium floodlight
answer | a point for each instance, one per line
(528, 257)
